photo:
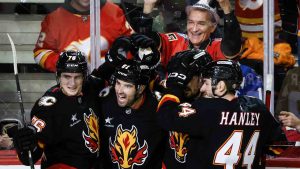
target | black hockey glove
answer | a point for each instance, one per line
(24, 138)
(181, 69)
(118, 52)
(146, 51)
(200, 60)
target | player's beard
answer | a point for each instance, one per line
(189, 94)
(206, 95)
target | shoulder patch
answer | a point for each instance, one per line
(104, 92)
(47, 101)
(171, 36)
(183, 35)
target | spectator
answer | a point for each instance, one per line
(68, 28)
(202, 21)
(250, 17)
(224, 131)
(289, 93)
(5, 142)
(288, 101)
(290, 120)
(64, 122)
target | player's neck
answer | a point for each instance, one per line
(229, 97)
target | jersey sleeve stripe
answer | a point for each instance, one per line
(168, 97)
(41, 56)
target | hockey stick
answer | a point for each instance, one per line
(19, 93)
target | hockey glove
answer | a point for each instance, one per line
(200, 60)
(118, 52)
(181, 69)
(147, 52)
(24, 138)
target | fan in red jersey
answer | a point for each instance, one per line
(68, 28)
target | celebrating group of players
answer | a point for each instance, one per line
(162, 100)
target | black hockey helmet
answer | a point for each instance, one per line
(131, 71)
(227, 70)
(71, 62)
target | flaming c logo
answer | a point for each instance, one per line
(126, 150)
(178, 143)
(92, 140)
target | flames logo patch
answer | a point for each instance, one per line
(126, 150)
(178, 142)
(91, 138)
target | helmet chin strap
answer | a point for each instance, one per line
(57, 78)
(137, 94)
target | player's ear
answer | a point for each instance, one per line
(140, 89)
(221, 87)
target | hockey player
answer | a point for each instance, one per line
(64, 121)
(202, 20)
(68, 28)
(132, 138)
(225, 131)
(191, 63)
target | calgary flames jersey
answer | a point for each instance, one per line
(223, 136)
(176, 150)
(63, 30)
(171, 43)
(67, 128)
(132, 137)
(250, 16)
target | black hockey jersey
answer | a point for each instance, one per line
(223, 134)
(68, 127)
(132, 137)
(176, 150)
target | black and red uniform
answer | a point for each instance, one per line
(132, 137)
(67, 129)
(222, 135)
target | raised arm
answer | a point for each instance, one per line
(232, 40)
